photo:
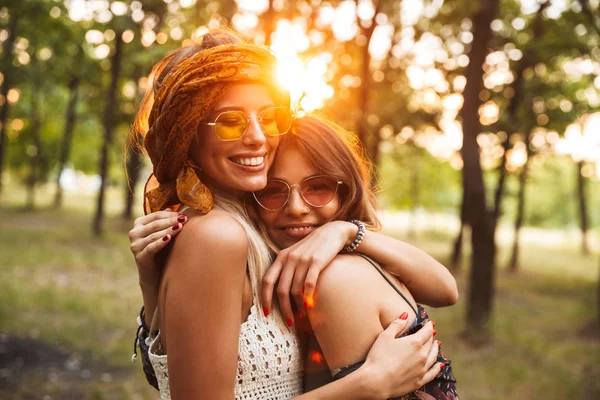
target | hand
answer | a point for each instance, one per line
(298, 267)
(396, 367)
(150, 234)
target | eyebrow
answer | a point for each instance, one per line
(236, 108)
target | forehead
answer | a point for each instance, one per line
(245, 96)
(291, 166)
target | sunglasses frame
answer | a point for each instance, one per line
(337, 181)
(248, 121)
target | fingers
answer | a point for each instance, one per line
(310, 284)
(297, 289)
(432, 372)
(146, 219)
(283, 291)
(268, 284)
(155, 246)
(433, 353)
(425, 334)
(396, 327)
(169, 219)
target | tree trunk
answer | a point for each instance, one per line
(513, 264)
(529, 60)
(414, 201)
(7, 70)
(481, 290)
(365, 81)
(499, 193)
(583, 212)
(133, 165)
(228, 9)
(109, 111)
(455, 258)
(36, 160)
(65, 148)
(269, 23)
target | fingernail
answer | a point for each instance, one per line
(176, 226)
(265, 311)
(181, 218)
(441, 366)
(439, 343)
(434, 332)
(433, 323)
(289, 322)
(165, 238)
(404, 315)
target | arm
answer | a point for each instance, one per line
(200, 304)
(427, 280)
(297, 268)
(352, 304)
(149, 235)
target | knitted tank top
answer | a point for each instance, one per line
(269, 360)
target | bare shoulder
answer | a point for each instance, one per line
(346, 273)
(216, 231)
(212, 245)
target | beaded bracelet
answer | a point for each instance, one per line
(141, 333)
(359, 236)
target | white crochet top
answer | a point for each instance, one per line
(269, 360)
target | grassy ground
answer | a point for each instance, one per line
(68, 303)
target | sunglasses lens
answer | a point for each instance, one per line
(276, 121)
(273, 196)
(231, 125)
(319, 191)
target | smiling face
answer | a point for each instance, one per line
(240, 165)
(297, 218)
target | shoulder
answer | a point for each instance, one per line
(211, 246)
(346, 273)
(216, 230)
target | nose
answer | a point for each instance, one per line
(254, 135)
(296, 206)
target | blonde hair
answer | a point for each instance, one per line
(260, 255)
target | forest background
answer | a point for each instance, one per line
(482, 118)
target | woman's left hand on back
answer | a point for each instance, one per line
(297, 267)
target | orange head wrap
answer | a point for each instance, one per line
(182, 99)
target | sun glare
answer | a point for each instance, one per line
(304, 78)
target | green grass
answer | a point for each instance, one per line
(63, 287)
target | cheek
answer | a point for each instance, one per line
(268, 218)
(329, 211)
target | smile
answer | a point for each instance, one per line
(299, 231)
(248, 161)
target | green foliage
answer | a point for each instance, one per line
(411, 178)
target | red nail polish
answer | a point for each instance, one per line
(404, 315)
(434, 332)
(433, 323)
(439, 343)
(165, 238)
(441, 366)
(265, 311)
(175, 227)
(181, 218)
(289, 322)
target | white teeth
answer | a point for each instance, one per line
(253, 161)
(302, 228)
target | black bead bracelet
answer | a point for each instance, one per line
(359, 236)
